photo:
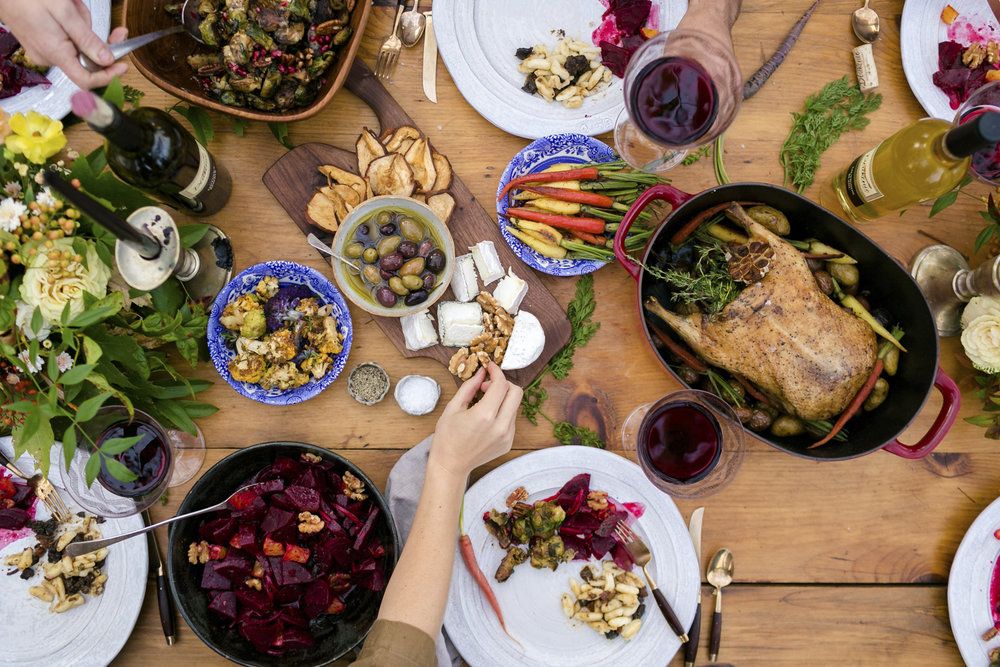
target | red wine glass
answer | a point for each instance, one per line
(689, 443)
(986, 163)
(682, 90)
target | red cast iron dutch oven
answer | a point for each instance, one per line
(889, 283)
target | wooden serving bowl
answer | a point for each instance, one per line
(164, 62)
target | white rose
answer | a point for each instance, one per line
(23, 317)
(52, 287)
(981, 340)
(979, 306)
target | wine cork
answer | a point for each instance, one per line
(864, 65)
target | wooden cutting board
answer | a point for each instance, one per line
(293, 179)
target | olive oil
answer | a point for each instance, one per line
(919, 163)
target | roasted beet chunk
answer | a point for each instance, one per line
(524, 52)
(530, 86)
(224, 605)
(577, 65)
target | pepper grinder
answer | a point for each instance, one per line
(948, 283)
(149, 249)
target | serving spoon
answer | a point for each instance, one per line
(189, 24)
(864, 20)
(75, 549)
(314, 241)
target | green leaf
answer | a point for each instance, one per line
(98, 160)
(101, 382)
(52, 367)
(239, 126)
(981, 420)
(199, 409)
(37, 320)
(965, 181)
(123, 350)
(92, 469)
(133, 96)
(91, 350)
(176, 414)
(115, 93)
(168, 297)
(188, 347)
(21, 406)
(77, 374)
(192, 233)
(118, 469)
(69, 444)
(943, 202)
(35, 437)
(64, 316)
(88, 409)
(116, 446)
(100, 311)
(200, 122)
(984, 237)
(280, 132)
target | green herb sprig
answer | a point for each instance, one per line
(707, 284)
(694, 156)
(837, 108)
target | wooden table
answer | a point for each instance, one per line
(837, 563)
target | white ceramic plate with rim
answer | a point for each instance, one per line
(921, 30)
(478, 38)
(969, 587)
(530, 598)
(54, 100)
(86, 636)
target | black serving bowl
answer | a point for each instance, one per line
(215, 486)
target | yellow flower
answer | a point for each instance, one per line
(35, 136)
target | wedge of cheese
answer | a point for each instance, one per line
(510, 292)
(418, 330)
(464, 284)
(459, 323)
(527, 341)
(487, 261)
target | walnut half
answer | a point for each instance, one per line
(974, 55)
(310, 523)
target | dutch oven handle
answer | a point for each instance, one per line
(945, 419)
(662, 192)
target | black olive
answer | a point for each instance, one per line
(407, 249)
(425, 248)
(386, 297)
(435, 261)
(386, 274)
(364, 231)
(413, 298)
(391, 262)
(388, 229)
(429, 280)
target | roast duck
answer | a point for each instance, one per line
(783, 334)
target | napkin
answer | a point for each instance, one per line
(406, 480)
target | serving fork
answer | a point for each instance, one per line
(388, 54)
(43, 489)
(641, 555)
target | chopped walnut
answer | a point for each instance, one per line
(310, 523)
(354, 488)
(257, 571)
(990, 634)
(992, 52)
(974, 55)
(995, 655)
(597, 500)
(198, 553)
(309, 457)
(490, 345)
(488, 303)
(504, 323)
(517, 495)
(463, 364)
(253, 582)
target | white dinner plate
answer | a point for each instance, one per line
(478, 38)
(54, 100)
(90, 635)
(530, 598)
(969, 587)
(921, 30)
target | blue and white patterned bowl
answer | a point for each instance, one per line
(287, 273)
(538, 155)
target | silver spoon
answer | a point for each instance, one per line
(189, 24)
(314, 241)
(413, 24)
(79, 548)
(864, 20)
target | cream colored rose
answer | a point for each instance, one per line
(981, 340)
(50, 286)
(979, 306)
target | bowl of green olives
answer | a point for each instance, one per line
(405, 254)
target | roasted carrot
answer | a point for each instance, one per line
(589, 225)
(855, 405)
(760, 77)
(822, 255)
(584, 174)
(472, 565)
(577, 196)
(589, 238)
(692, 225)
(692, 361)
(750, 389)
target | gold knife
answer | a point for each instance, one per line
(430, 60)
(691, 648)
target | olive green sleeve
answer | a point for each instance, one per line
(395, 644)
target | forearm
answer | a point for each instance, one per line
(418, 589)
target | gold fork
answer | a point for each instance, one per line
(43, 489)
(389, 53)
(641, 555)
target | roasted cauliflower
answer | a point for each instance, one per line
(235, 312)
(283, 377)
(322, 333)
(247, 367)
(254, 324)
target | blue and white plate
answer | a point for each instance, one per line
(287, 273)
(538, 155)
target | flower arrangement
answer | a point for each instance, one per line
(73, 335)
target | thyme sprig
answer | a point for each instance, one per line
(707, 283)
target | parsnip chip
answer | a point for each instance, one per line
(339, 205)
(368, 148)
(322, 212)
(404, 146)
(348, 194)
(420, 159)
(442, 180)
(443, 204)
(422, 198)
(391, 175)
(341, 176)
(401, 133)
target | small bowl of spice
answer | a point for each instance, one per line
(368, 383)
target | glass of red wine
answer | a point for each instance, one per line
(689, 443)
(986, 163)
(130, 458)
(682, 90)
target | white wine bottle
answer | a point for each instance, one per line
(919, 163)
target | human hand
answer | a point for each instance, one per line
(55, 32)
(466, 437)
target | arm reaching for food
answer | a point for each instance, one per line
(465, 437)
(55, 32)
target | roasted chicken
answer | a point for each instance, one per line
(783, 334)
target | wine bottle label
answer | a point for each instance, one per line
(860, 178)
(202, 178)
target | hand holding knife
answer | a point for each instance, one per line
(691, 648)
(163, 598)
